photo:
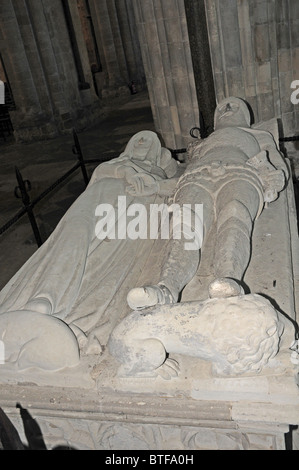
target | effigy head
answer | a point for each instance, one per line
(145, 145)
(231, 112)
(247, 334)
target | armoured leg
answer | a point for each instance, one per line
(234, 229)
(180, 264)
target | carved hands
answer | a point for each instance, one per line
(141, 184)
(273, 180)
(138, 184)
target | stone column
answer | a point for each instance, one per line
(50, 58)
(165, 47)
(41, 69)
(255, 49)
(201, 58)
(130, 42)
(19, 54)
(118, 42)
(108, 35)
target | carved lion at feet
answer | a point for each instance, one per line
(237, 334)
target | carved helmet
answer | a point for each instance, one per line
(230, 112)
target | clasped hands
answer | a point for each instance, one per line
(140, 184)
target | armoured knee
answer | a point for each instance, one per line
(189, 226)
(236, 214)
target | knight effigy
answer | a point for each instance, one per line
(166, 279)
(65, 288)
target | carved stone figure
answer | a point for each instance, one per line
(239, 334)
(64, 289)
(233, 173)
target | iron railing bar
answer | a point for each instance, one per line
(12, 221)
(289, 139)
(54, 185)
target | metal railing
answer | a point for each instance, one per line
(24, 187)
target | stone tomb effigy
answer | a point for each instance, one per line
(118, 343)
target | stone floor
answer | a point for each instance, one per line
(43, 163)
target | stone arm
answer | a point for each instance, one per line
(268, 144)
(166, 187)
(112, 169)
(139, 181)
(270, 165)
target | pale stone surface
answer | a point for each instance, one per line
(114, 421)
(233, 173)
(75, 267)
(178, 341)
(91, 406)
(237, 334)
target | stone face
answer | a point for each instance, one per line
(231, 333)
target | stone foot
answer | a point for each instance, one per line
(88, 345)
(148, 296)
(40, 305)
(225, 287)
(169, 370)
